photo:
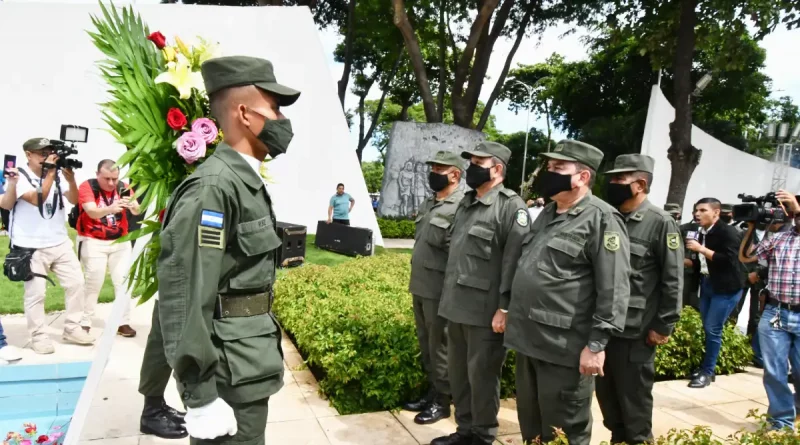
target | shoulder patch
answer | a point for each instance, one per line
(611, 241)
(522, 218)
(673, 241)
(210, 218)
(210, 237)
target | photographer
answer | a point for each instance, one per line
(103, 218)
(779, 327)
(38, 224)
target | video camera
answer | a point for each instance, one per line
(762, 209)
(65, 147)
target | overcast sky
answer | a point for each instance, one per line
(781, 65)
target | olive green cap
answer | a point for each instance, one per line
(487, 150)
(36, 144)
(726, 208)
(447, 158)
(235, 71)
(633, 163)
(672, 207)
(576, 151)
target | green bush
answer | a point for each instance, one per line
(354, 325)
(396, 228)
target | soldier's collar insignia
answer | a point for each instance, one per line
(673, 241)
(611, 241)
(577, 210)
(638, 216)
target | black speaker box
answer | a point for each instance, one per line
(293, 250)
(347, 240)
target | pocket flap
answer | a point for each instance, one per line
(568, 247)
(481, 232)
(637, 302)
(235, 328)
(550, 318)
(434, 265)
(638, 250)
(474, 282)
(440, 222)
(258, 242)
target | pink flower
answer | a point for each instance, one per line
(25, 442)
(191, 146)
(56, 435)
(205, 127)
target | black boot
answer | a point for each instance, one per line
(420, 404)
(433, 413)
(158, 421)
(453, 439)
(176, 415)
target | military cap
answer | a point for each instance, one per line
(235, 71)
(576, 151)
(726, 208)
(632, 163)
(487, 150)
(672, 207)
(447, 158)
(36, 144)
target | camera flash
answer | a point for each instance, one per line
(74, 133)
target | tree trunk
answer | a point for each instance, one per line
(682, 155)
(442, 61)
(487, 110)
(549, 130)
(359, 150)
(348, 50)
(363, 139)
(404, 111)
(417, 62)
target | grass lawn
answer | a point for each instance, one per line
(11, 293)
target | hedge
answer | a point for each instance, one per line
(396, 228)
(354, 325)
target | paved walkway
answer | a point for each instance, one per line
(299, 415)
(391, 243)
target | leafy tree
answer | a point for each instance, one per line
(373, 175)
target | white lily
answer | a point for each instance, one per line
(180, 75)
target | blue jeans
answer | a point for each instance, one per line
(3, 342)
(780, 346)
(714, 311)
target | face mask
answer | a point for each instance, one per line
(552, 183)
(726, 219)
(276, 135)
(617, 194)
(438, 182)
(477, 175)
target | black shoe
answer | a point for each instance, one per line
(478, 441)
(176, 415)
(453, 439)
(432, 414)
(698, 372)
(419, 405)
(162, 425)
(701, 380)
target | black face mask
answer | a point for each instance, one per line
(726, 219)
(438, 182)
(551, 183)
(616, 194)
(477, 176)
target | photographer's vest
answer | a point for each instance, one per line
(109, 227)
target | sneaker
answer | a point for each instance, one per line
(44, 346)
(10, 354)
(126, 331)
(78, 336)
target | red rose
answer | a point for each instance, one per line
(158, 39)
(161, 215)
(176, 119)
(42, 439)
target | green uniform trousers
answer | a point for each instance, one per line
(625, 393)
(475, 356)
(251, 420)
(432, 336)
(155, 372)
(553, 396)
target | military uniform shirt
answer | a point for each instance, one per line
(657, 272)
(431, 244)
(486, 238)
(572, 282)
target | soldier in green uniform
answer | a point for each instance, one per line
(674, 211)
(569, 295)
(217, 261)
(486, 235)
(625, 391)
(428, 262)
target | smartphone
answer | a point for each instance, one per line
(125, 193)
(10, 161)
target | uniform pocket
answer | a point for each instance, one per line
(561, 257)
(480, 242)
(251, 346)
(638, 256)
(636, 308)
(581, 392)
(256, 270)
(437, 232)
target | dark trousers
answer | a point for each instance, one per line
(432, 336)
(475, 356)
(346, 222)
(551, 396)
(251, 422)
(691, 295)
(155, 372)
(625, 393)
(4, 215)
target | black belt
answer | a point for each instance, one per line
(780, 305)
(249, 305)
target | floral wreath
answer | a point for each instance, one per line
(159, 111)
(30, 435)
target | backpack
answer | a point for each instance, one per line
(75, 213)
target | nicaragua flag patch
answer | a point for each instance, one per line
(210, 218)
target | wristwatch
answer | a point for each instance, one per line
(595, 346)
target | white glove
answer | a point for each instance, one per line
(210, 421)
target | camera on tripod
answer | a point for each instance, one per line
(762, 209)
(65, 147)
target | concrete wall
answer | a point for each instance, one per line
(405, 175)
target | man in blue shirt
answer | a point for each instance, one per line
(340, 207)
